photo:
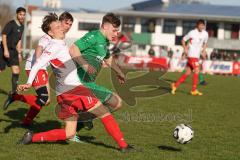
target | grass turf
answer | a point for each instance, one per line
(149, 125)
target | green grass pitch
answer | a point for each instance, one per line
(215, 118)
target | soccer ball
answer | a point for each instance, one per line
(183, 133)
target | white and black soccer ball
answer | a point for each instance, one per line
(183, 133)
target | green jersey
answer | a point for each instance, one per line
(94, 49)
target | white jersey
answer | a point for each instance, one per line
(196, 40)
(43, 42)
(65, 70)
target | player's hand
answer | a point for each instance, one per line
(121, 78)
(90, 69)
(6, 54)
(23, 87)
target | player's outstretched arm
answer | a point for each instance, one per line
(111, 63)
(38, 51)
(45, 58)
(77, 57)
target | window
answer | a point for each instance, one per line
(231, 31)
(235, 31)
(212, 29)
(148, 25)
(128, 24)
(169, 26)
(188, 26)
(88, 26)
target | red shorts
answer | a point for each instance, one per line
(41, 78)
(79, 98)
(193, 63)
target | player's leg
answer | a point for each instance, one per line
(65, 111)
(114, 102)
(201, 77)
(15, 76)
(52, 135)
(36, 102)
(196, 71)
(29, 99)
(13, 62)
(102, 94)
(40, 101)
(58, 134)
(182, 79)
(107, 97)
(110, 125)
(49, 93)
(95, 109)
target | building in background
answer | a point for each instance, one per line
(52, 4)
(158, 23)
(84, 21)
(164, 22)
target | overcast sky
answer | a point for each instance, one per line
(106, 5)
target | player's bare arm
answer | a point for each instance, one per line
(111, 63)
(38, 51)
(77, 57)
(204, 52)
(185, 47)
(5, 46)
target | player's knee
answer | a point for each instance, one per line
(70, 134)
(118, 103)
(196, 71)
(42, 96)
(15, 70)
(98, 111)
(188, 73)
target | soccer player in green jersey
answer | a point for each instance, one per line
(92, 50)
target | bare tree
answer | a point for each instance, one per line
(7, 12)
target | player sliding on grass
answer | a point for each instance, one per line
(72, 96)
(40, 82)
(93, 51)
(197, 44)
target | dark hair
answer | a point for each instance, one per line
(112, 19)
(20, 9)
(200, 21)
(66, 16)
(47, 20)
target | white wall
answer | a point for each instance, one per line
(163, 39)
(73, 34)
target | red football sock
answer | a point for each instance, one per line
(113, 130)
(181, 80)
(29, 99)
(50, 136)
(32, 113)
(194, 82)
